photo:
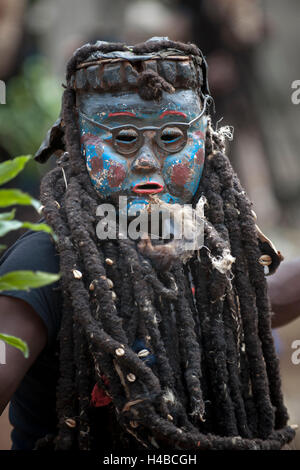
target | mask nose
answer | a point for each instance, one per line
(145, 161)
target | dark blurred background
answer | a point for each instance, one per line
(252, 51)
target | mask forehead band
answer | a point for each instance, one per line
(121, 70)
(171, 53)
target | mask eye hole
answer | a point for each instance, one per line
(171, 134)
(126, 136)
(126, 140)
(172, 139)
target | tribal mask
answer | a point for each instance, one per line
(142, 121)
(144, 147)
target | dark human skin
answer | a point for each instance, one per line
(22, 321)
(19, 319)
(284, 292)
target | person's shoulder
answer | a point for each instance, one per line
(37, 239)
(33, 250)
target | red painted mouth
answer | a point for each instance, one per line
(148, 188)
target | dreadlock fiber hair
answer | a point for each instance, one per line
(214, 381)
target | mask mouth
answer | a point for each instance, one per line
(148, 188)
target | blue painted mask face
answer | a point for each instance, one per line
(128, 162)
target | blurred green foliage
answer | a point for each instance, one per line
(33, 101)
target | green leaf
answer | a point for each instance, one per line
(8, 225)
(10, 168)
(2, 247)
(9, 197)
(38, 227)
(8, 215)
(24, 280)
(16, 343)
